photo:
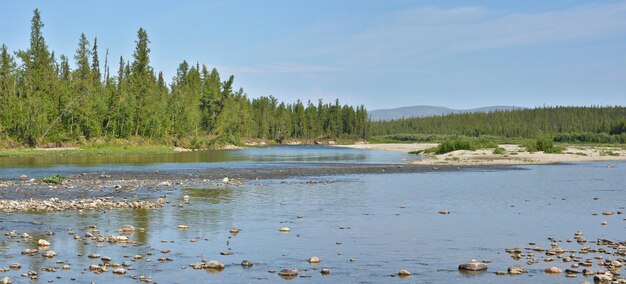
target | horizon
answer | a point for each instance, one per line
(383, 55)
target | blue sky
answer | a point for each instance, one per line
(382, 54)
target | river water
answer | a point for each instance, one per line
(363, 227)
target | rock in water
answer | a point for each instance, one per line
(516, 270)
(314, 260)
(404, 272)
(6, 280)
(288, 273)
(49, 254)
(119, 271)
(473, 266)
(246, 263)
(225, 180)
(284, 229)
(213, 264)
(43, 243)
(325, 271)
(553, 270)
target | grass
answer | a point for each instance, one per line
(54, 179)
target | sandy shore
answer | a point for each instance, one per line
(514, 155)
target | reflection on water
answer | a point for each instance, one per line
(198, 160)
(384, 222)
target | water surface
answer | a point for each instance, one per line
(384, 222)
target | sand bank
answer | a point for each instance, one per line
(514, 155)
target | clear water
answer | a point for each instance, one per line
(490, 211)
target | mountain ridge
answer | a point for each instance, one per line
(426, 111)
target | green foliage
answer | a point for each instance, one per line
(600, 138)
(463, 143)
(526, 123)
(542, 144)
(54, 179)
(499, 151)
(45, 102)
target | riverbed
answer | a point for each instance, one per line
(364, 225)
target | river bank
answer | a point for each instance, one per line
(512, 154)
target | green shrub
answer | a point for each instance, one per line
(542, 144)
(499, 151)
(463, 143)
(55, 179)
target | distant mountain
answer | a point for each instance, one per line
(425, 111)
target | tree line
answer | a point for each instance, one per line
(525, 123)
(44, 100)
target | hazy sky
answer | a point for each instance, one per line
(378, 53)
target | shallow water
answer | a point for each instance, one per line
(279, 156)
(490, 211)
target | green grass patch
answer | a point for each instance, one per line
(54, 179)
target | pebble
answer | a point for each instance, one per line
(604, 223)
(473, 266)
(284, 229)
(43, 243)
(404, 272)
(325, 271)
(444, 212)
(314, 260)
(234, 231)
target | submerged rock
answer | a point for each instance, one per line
(284, 229)
(43, 243)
